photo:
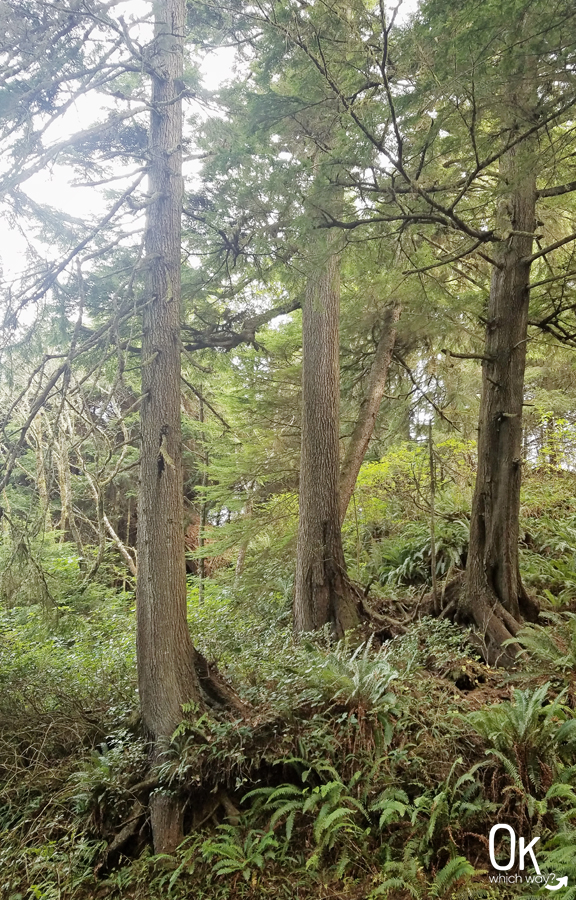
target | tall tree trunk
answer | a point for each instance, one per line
(166, 674)
(203, 506)
(322, 592)
(494, 596)
(369, 408)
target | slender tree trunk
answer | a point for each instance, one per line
(322, 592)
(166, 674)
(67, 516)
(203, 507)
(128, 523)
(245, 542)
(104, 522)
(494, 595)
(435, 598)
(369, 408)
(37, 431)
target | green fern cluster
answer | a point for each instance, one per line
(406, 558)
(334, 812)
(361, 677)
(246, 851)
(459, 804)
(408, 877)
(554, 648)
(533, 741)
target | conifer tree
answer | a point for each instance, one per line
(166, 673)
(431, 112)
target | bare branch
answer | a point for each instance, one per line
(555, 246)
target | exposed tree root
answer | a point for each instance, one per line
(128, 830)
(216, 692)
(384, 627)
(494, 628)
(166, 810)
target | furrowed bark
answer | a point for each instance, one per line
(322, 592)
(166, 674)
(494, 597)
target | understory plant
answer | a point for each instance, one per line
(553, 647)
(531, 741)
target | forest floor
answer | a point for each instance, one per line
(357, 772)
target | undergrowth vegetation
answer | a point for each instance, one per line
(358, 770)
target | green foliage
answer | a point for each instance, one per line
(228, 853)
(392, 519)
(362, 762)
(408, 876)
(548, 535)
(557, 854)
(335, 813)
(552, 646)
(64, 687)
(435, 644)
(407, 559)
(458, 868)
(528, 723)
(457, 803)
(99, 785)
(364, 773)
(360, 677)
(532, 741)
(46, 571)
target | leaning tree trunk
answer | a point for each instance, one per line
(369, 408)
(322, 591)
(494, 597)
(166, 674)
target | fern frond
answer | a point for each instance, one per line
(457, 868)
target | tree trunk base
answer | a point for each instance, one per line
(166, 819)
(493, 626)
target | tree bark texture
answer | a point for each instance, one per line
(494, 596)
(322, 592)
(166, 674)
(369, 408)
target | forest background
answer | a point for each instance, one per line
(288, 449)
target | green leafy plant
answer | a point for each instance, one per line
(103, 779)
(331, 808)
(553, 647)
(430, 643)
(557, 855)
(532, 741)
(408, 876)
(235, 850)
(392, 805)
(445, 880)
(440, 814)
(406, 558)
(359, 679)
